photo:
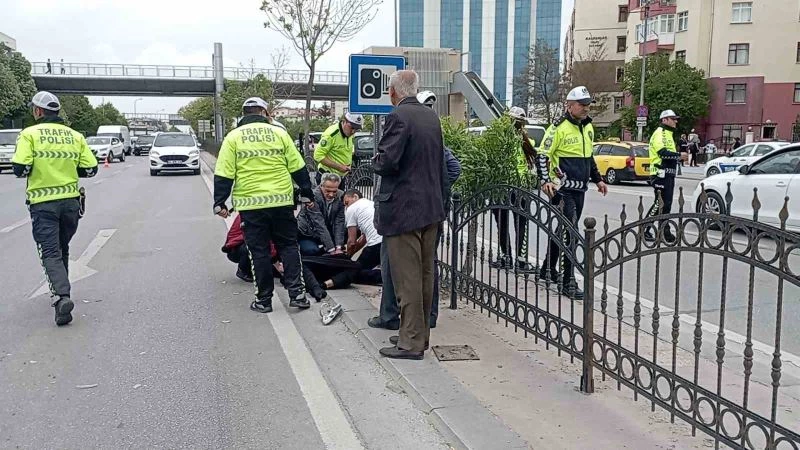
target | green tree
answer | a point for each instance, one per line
(10, 96)
(668, 85)
(78, 113)
(107, 114)
(16, 84)
(199, 109)
(236, 92)
(369, 123)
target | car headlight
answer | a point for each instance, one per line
(194, 153)
(153, 153)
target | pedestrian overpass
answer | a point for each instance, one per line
(177, 81)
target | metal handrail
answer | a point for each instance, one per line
(182, 71)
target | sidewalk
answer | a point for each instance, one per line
(693, 173)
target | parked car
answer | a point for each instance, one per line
(8, 143)
(745, 154)
(120, 132)
(776, 175)
(143, 145)
(622, 161)
(363, 148)
(172, 151)
(106, 147)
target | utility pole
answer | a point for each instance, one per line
(644, 65)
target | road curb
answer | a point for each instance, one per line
(454, 411)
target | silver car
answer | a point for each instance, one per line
(8, 143)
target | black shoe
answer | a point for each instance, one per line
(395, 339)
(244, 276)
(319, 294)
(262, 306)
(502, 262)
(548, 278)
(571, 290)
(648, 236)
(300, 302)
(523, 266)
(669, 238)
(377, 322)
(63, 309)
(396, 353)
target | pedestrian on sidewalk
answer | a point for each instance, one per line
(711, 150)
(257, 164)
(684, 149)
(565, 157)
(389, 313)
(663, 169)
(409, 160)
(49, 67)
(51, 157)
(694, 148)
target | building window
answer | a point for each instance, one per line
(739, 54)
(683, 21)
(797, 92)
(619, 103)
(622, 44)
(620, 74)
(639, 34)
(680, 55)
(667, 22)
(742, 12)
(729, 135)
(623, 13)
(735, 93)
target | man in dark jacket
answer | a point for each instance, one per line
(321, 223)
(410, 160)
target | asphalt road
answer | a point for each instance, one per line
(163, 351)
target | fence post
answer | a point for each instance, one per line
(587, 379)
(454, 210)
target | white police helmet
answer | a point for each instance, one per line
(517, 113)
(426, 98)
(256, 101)
(356, 120)
(45, 100)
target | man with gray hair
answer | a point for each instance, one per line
(409, 160)
(321, 223)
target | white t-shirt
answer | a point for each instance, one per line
(360, 214)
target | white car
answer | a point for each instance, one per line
(174, 152)
(8, 144)
(776, 175)
(746, 154)
(106, 147)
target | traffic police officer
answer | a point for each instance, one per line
(334, 153)
(525, 156)
(52, 157)
(257, 163)
(664, 159)
(565, 158)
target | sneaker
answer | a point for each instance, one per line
(300, 302)
(63, 308)
(329, 312)
(262, 306)
(244, 276)
(502, 262)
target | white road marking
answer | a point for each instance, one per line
(79, 269)
(332, 424)
(15, 225)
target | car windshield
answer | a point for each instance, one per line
(146, 139)
(641, 152)
(9, 137)
(366, 143)
(174, 140)
(98, 140)
(742, 151)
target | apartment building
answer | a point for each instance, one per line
(749, 50)
(595, 49)
(494, 36)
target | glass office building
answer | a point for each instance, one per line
(495, 35)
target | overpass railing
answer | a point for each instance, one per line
(191, 72)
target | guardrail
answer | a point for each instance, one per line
(191, 72)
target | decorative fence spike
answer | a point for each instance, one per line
(756, 204)
(681, 200)
(623, 215)
(641, 207)
(728, 198)
(784, 214)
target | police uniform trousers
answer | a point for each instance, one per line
(260, 226)
(571, 205)
(53, 224)
(520, 229)
(665, 189)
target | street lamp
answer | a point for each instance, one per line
(134, 106)
(646, 5)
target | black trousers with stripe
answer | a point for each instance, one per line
(54, 223)
(260, 226)
(571, 203)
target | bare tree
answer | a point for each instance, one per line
(314, 26)
(592, 69)
(285, 87)
(540, 85)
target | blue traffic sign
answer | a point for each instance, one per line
(369, 83)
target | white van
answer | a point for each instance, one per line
(120, 132)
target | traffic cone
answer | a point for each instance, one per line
(106, 163)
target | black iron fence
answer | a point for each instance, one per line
(688, 310)
(674, 318)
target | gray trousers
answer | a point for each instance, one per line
(54, 223)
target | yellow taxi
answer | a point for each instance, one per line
(622, 160)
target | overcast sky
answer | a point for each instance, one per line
(179, 32)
